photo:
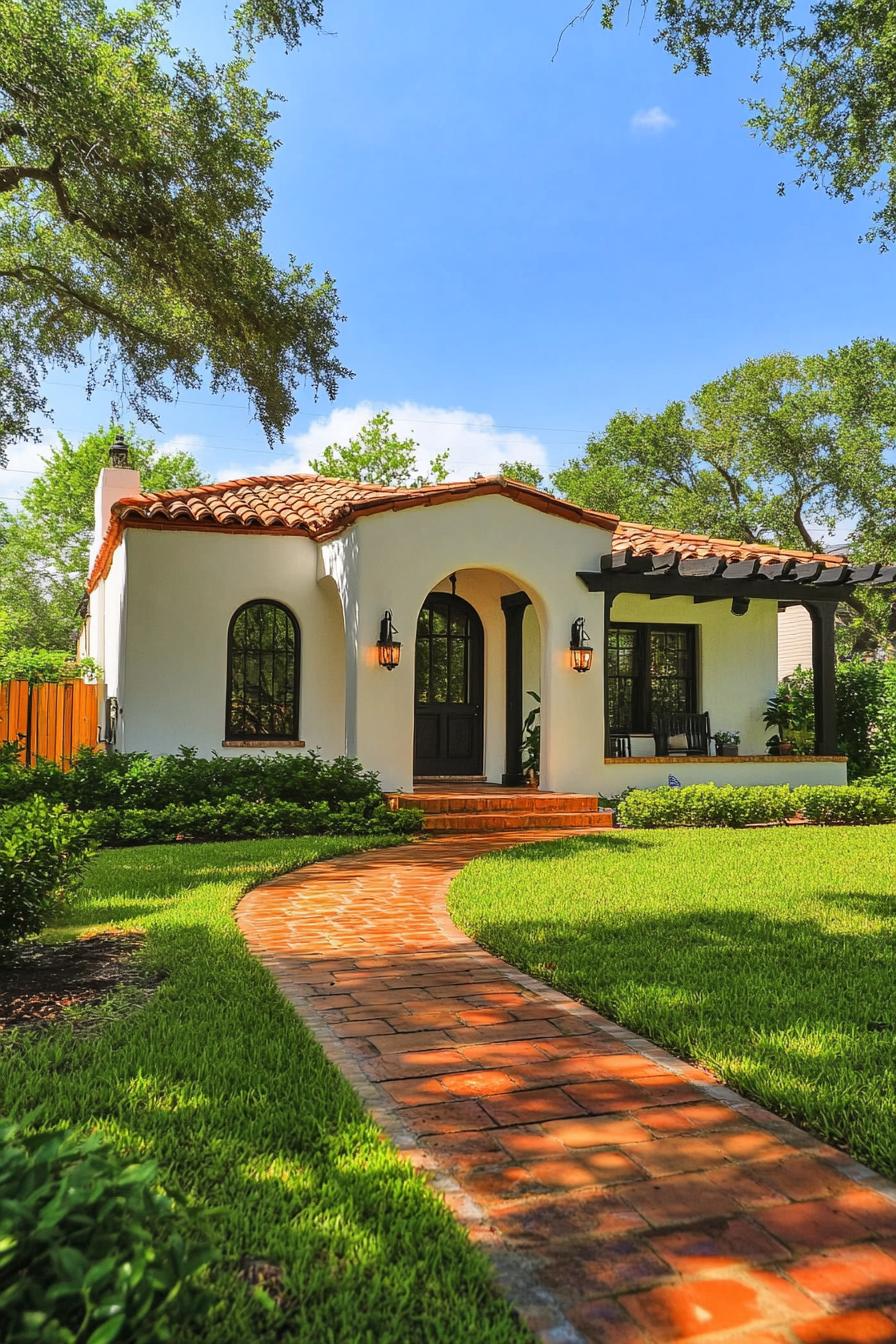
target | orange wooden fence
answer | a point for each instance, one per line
(51, 721)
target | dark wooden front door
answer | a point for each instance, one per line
(448, 688)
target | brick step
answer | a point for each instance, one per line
(443, 822)
(438, 803)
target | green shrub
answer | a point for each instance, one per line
(42, 850)
(88, 1246)
(138, 780)
(236, 819)
(866, 713)
(730, 805)
(705, 805)
(850, 805)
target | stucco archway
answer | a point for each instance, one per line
(495, 695)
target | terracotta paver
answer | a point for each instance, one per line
(623, 1195)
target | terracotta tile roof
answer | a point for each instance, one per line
(308, 505)
(321, 507)
(642, 539)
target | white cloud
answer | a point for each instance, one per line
(183, 443)
(653, 120)
(471, 438)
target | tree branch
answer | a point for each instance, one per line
(732, 485)
(811, 544)
(92, 305)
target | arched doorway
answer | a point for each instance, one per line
(448, 688)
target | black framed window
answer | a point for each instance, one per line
(446, 629)
(650, 670)
(263, 655)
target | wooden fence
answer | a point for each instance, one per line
(51, 721)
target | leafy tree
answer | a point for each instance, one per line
(44, 546)
(833, 66)
(866, 712)
(378, 455)
(780, 449)
(527, 472)
(132, 201)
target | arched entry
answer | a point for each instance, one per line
(448, 688)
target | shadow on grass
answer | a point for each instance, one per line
(791, 1013)
(270, 1151)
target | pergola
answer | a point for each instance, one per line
(817, 586)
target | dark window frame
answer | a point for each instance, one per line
(234, 733)
(643, 710)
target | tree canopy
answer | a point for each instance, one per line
(379, 455)
(44, 545)
(796, 451)
(132, 200)
(832, 64)
(527, 472)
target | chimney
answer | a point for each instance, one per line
(117, 481)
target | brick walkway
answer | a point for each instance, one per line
(623, 1195)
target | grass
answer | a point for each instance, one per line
(270, 1150)
(767, 955)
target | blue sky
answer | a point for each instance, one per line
(521, 245)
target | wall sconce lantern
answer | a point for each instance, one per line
(580, 651)
(387, 646)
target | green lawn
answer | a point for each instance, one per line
(767, 955)
(271, 1151)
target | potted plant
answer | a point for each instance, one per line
(727, 744)
(532, 742)
(778, 714)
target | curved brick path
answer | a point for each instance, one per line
(623, 1195)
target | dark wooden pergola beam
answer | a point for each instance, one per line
(676, 584)
(817, 587)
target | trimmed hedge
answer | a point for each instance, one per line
(137, 780)
(853, 805)
(733, 805)
(43, 847)
(236, 819)
(89, 1249)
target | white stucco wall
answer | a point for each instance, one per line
(791, 770)
(737, 662)
(531, 658)
(392, 560)
(160, 620)
(737, 671)
(102, 634)
(183, 588)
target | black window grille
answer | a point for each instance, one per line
(446, 631)
(651, 670)
(263, 656)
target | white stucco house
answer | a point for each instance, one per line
(263, 614)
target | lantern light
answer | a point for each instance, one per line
(118, 452)
(580, 650)
(388, 647)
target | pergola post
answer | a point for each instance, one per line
(514, 606)
(824, 676)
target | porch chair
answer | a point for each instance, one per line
(692, 729)
(620, 744)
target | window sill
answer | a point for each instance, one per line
(276, 743)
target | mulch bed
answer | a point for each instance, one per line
(38, 981)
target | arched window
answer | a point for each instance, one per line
(263, 654)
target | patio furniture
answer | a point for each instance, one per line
(682, 734)
(620, 744)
